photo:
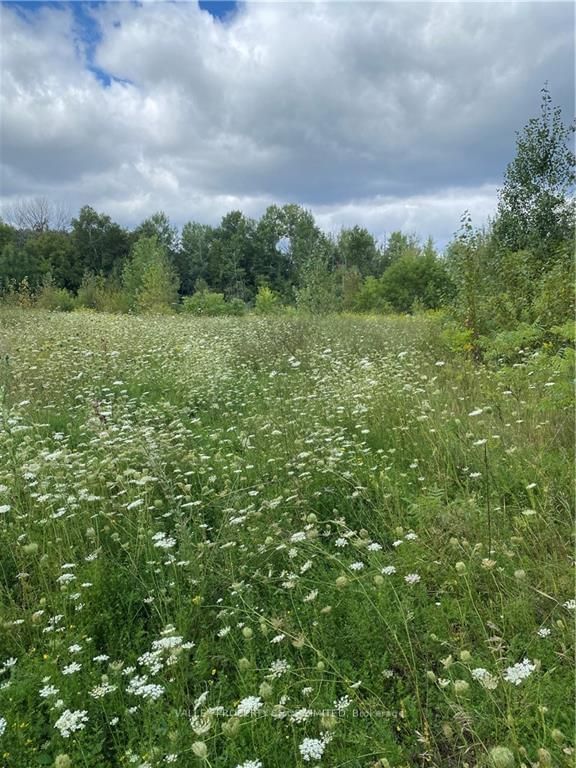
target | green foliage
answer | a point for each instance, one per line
(51, 297)
(356, 250)
(336, 521)
(211, 304)
(554, 299)
(101, 246)
(318, 291)
(267, 302)
(416, 276)
(149, 279)
(536, 205)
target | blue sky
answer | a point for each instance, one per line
(389, 115)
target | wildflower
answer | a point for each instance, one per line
(358, 566)
(72, 668)
(461, 687)
(3, 725)
(312, 749)
(412, 578)
(48, 690)
(250, 764)
(200, 749)
(71, 721)
(249, 706)
(502, 757)
(543, 632)
(388, 570)
(278, 668)
(519, 672)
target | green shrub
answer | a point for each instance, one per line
(210, 304)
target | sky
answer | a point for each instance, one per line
(390, 115)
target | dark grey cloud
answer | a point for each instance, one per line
(399, 114)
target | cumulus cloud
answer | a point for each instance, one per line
(385, 114)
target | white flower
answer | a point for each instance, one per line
(476, 412)
(140, 686)
(99, 691)
(3, 725)
(357, 566)
(519, 672)
(278, 668)
(249, 706)
(48, 690)
(570, 605)
(298, 536)
(543, 632)
(277, 639)
(312, 749)
(388, 570)
(485, 678)
(71, 721)
(301, 715)
(72, 668)
(250, 764)
(412, 578)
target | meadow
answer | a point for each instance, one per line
(281, 542)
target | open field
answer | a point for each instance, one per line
(276, 543)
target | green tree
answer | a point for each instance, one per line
(149, 279)
(536, 203)
(100, 245)
(193, 259)
(357, 249)
(417, 277)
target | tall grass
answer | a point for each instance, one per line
(281, 542)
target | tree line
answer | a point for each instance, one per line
(517, 269)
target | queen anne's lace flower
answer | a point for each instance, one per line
(71, 721)
(519, 672)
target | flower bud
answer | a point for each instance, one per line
(461, 687)
(231, 727)
(544, 758)
(502, 757)
(266, 690)
(200, 749)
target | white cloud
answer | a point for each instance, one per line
(385, 114)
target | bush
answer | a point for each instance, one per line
(58, 299)
(267, 301)
(209, 304)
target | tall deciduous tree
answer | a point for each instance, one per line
(149, 278)
(536, 203)
(101, 245)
